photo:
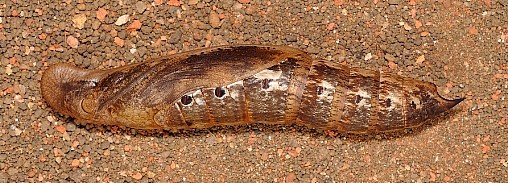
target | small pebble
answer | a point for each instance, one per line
(70, 127)
(420, 59)
(120, 42)
(135, 25)
(394, 2)
(75, 163)
(122, 20)
(291, 38)
(291, 177)
(165, 154)
(101, 14)
(214, 19)
(79, 21)
(174, 2)
(368, 56)
(137, 176)
(390, 57)
(81, 6)
(418, 24)
(72, 42)
(96, 24)
(175, 37)
(140, 6)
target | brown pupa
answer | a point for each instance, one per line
(234, 85)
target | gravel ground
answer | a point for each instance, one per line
(460, 45)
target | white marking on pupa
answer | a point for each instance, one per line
(272, 76)
(234, 93)
(268, 74)
(198, 97)
(93, 82)
(417, 102)
(274, 85)
(178, 107)
(394, 99)
(239, 82)
(365, 96)
(327, 93)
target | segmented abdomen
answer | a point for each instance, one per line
(333, 97)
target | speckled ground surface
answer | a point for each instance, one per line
(459, 45)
